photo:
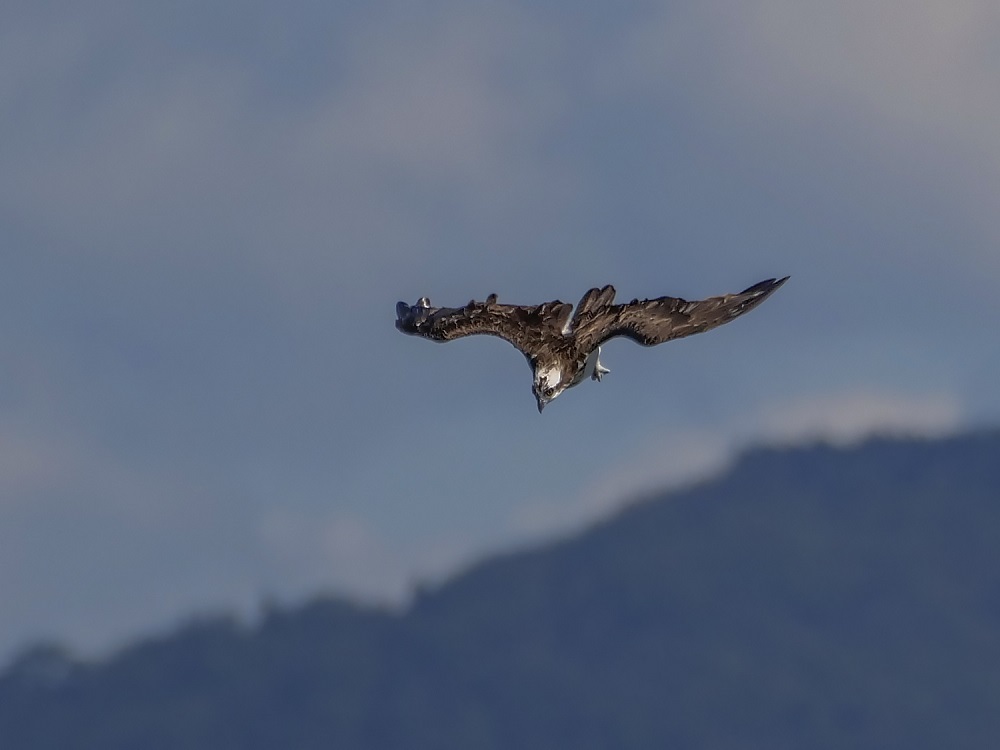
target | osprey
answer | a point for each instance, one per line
(563, 351)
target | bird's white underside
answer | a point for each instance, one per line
(550, 377)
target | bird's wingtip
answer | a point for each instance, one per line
(765, 287)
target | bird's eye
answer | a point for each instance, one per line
(549, 391)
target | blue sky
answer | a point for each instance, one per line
(209, 210)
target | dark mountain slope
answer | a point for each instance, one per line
(810, 597)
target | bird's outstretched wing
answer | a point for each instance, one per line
(653, 321)
(527, 327)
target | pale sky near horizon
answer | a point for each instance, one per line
(209, 210)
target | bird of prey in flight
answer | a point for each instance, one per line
(562, 350)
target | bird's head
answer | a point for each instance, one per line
(547, 386)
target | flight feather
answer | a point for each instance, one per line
(527, 327)
(655, 321)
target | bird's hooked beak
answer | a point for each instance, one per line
(541, 403)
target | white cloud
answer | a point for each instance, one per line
(307, 552)
(905, 87)
(848, 418)
(70, 472)
(924, 62)
(85, 538)
(441, 99)
(916, 70)
(686, 455)
(193, 161)
(438, 126)
(119, 162)
(929, 64)
(334, 549)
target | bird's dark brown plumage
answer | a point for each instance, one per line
(553, 342)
